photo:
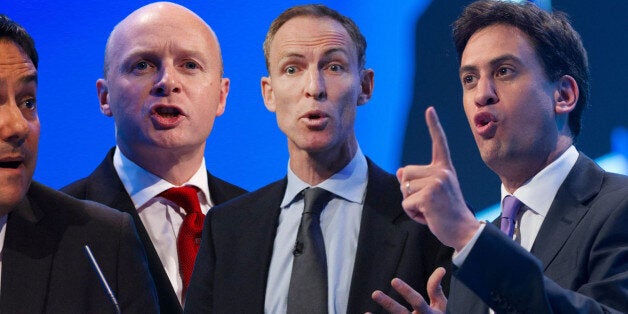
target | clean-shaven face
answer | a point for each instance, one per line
(19, 124)
(315, 84)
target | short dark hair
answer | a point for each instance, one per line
(317, 10)
(554, 40)
(15, 32)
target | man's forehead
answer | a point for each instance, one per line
(305, 27)
(307, 32)
(13, 57)
(160, 36)
(169, 20)
(165, 28)
(495, 41)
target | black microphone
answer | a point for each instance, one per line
(102, 279)
(298, 248)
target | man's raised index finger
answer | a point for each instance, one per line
(440, 149)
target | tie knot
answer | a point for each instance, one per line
(185, 196)
(511, 207)
(315, 200)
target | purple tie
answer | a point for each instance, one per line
(509, 214)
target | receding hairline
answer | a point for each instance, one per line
(316, 11)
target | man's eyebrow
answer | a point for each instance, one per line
(291, 55)
(494, 62)
(335, 50)
(467, 68)
(503, 58)
(137, 53)
(326, 53)
(28, 78)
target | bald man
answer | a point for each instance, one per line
(163, 86)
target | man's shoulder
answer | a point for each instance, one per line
(274, 190)
(379, 176)
(74, 211)
(615, 181)
(221, 190)
(77, 188)
(587, 179)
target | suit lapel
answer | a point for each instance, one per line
(264, 226)
(380, 244)
(249, 261)
(567, 209)
(29, 248)
(221, 191)
(105, 187)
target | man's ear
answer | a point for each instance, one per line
(268, 94)
(566, 95)
(103, 97)
(366, 83)
(224, 92)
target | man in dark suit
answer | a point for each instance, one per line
(43, 233)
(524, 75)
(163, 86)
(250, 248)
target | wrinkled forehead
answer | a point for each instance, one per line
(312, 33)
(13, 60)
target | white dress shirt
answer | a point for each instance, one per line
(536, 196)
(340, 224)
(162, 218)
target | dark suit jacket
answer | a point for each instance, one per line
(231, 269)
(45, 268)
(579, 260)
(104, 186)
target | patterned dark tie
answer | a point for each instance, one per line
(189, 238)
(308, 283)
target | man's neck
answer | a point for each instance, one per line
(316, 167)
(519, 172)
(174, 166)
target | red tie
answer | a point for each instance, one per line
(189, 238)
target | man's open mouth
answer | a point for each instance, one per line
(10, 164)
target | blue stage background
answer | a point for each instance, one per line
(246, 147)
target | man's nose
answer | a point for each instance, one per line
(315, 87)
(13, 124)
(485, 92)
(167, 81)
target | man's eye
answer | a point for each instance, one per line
(467, 79)
(504, 71)
(335, 67)
(142, 65)
(291, 70)
(191, 65)
(30, 104)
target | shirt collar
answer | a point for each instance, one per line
(348, 183)
(539, 192)
(142, 185)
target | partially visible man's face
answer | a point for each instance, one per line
(315, 84)
(19, 124)
(508, 99)
(163, 85)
